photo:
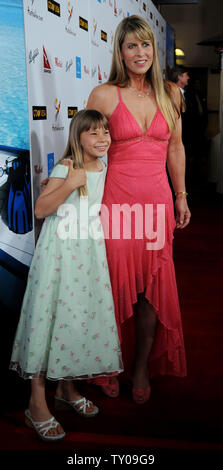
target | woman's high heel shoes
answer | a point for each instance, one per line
(112, 388)
(141, 395)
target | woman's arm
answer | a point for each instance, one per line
(58, 190)
(176, 168)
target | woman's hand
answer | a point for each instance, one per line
(183, 214)
(44, 183)
(76, 177)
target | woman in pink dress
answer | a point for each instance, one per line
(145, 126)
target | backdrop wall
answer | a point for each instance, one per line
(55, 52)
(68, 51)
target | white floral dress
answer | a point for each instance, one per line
(67, 327)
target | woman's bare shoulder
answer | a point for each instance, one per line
(103, 90)
(101, 98)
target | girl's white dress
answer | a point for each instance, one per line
(67, 327)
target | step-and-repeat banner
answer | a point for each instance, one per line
(69, 49)
(65, 52)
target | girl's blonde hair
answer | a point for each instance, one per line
(118, 73)
(82, 121)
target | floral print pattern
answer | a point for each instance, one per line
(67, 326)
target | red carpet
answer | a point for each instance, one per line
(183, 414)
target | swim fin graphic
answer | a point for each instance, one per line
(19, 199)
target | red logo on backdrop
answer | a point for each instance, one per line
(46, 64)
(58, 62)
(38, 169)
(99, 74)
(86, 70)
(115, 9)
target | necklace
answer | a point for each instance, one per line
(140, 95)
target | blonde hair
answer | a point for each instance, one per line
(119, 76)
(82, 121)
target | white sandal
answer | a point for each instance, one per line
(61, 403)
(42, 427)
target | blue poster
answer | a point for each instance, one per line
(14, 129)
(16, 224)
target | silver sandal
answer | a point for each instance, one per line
(62, 404)
(42, 427)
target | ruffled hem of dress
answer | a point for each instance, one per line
(155, 276)
(14, 366)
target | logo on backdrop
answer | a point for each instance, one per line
(70, 11)
(78, 67)
(99, 75)
(83, 24)
(57, 107)
(71, 111)
(32, 11)
(104, 36)
(33, 55)
(38, 169)
(39, 113)
(111, 42)
(68, 27)
(50, 162)
(68, 65)
(144, 6)
(46, 64)
(93, 40)
(53, 7)
(93, 72)
(115, 8)
(58, 62)
(86, 70)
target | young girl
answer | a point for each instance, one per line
(67, 327)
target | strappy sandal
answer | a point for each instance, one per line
(42, 427)
(141, 395)
(112, 388)
(80, 406)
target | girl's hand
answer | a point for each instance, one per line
(183, 213)
(76, 177)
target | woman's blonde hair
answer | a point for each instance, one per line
(118, 73)
(82, 121)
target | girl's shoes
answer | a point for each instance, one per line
(112, 388)
(141, 395)
(42, 427)
(82, 406)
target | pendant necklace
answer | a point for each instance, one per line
(140, 95)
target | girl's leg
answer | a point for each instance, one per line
(146, 322)
(38, 406)
(67, 390)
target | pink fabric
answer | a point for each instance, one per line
(137, 174)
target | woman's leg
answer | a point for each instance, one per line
(146, 322)
(38, 406)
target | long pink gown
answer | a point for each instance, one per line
(137, 175)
